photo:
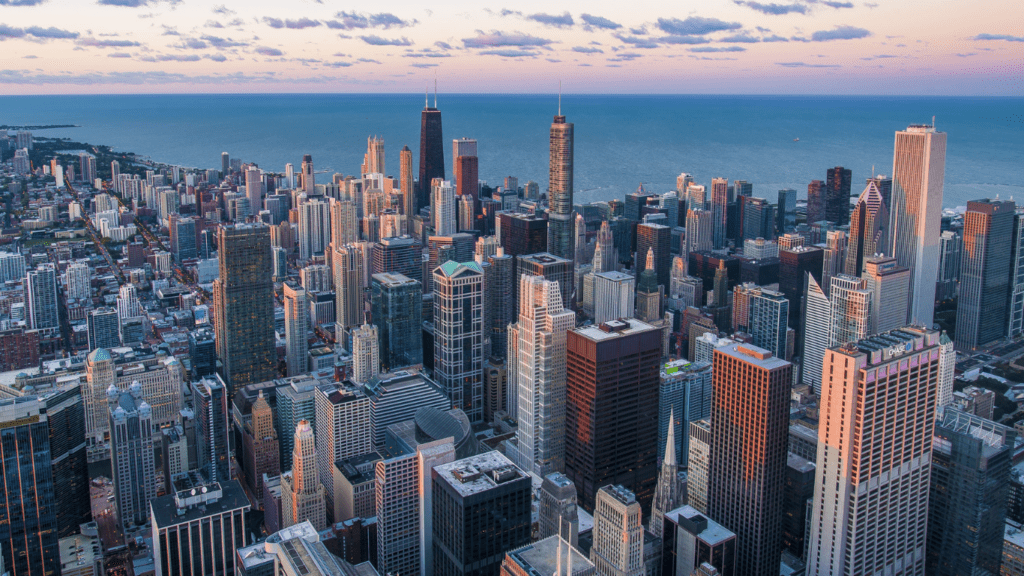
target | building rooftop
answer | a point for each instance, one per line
(681, 367)
(800, 464)
(614, 329)
(753, 355)
(542, 258)
(540, 558)
(166, 510)
(479, 473)
(393, 279)
(711, 532)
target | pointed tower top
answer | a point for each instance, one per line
(670, 440)
(426, 97)
(435, 89)
(650, 259)
(560, 101)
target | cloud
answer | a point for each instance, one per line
(125, 3)
(374, 40)
(1006, 37)
(21, 2)
(213, 24)
(718, 49)
(443, 45)
(967, 55)
(838, 5)
(558, 21)
(508, 53)
(774, 38)
(684, 40)
(369, 60)
(216, 57)
(192, 44)
(426, 53)
(8, 32)
(599, 22)
(840, 33)
(223, 10)
(218, 42)
(267, 51)
(338, 64)
(422, 65)
(587, 50)
(178, 58)
(625, 57)
(773, 9)
(743, 38)
(637, 42)
(805, 65)
(137, 78)
(104, 43)
(169, 30)
(291, 24)
(118, 55)
(498, 39)
(355, 20)
(695, 25)
(30, 56)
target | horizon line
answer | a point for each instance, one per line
(515, 94)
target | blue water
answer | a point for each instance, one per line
(621, 141)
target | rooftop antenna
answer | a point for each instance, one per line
(933, 122)
(435, 89)
(872, 171)
(426, 97)
(559, 97)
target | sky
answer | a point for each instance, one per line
(888, 47)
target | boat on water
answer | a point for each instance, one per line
(796, 139)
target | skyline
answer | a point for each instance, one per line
(734, 46)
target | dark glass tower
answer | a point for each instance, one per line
(397, 307)
(837, 195)
(815, 201)
(431, 151)
(561, 224)
(65, 413)
(984, 273)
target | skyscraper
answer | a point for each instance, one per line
(522, 233)
(552, 268)
(1015, 308)
(985, 268)
(656, 238)
(431, 151)
(302, 494)
(837, 195)
(648, 292)
(296, 326)
(103, 328)
(542, 326)
(868, 225)
(618, 533)
(697, 545)
(396, 303)
(613, 296)
(950, 246)
(611, 414)
(308, 179)
(254, 187)
(699, 231)
(243, 296)
(719, 200)
(851, 310)
(373, 160)
(668, 494)
(342, 431)
(443, 208)
(499, 279)
(467, 170)
(348, 288)
(131, 454)
(314, 228)
(915, 214)
(970, 479)
(786, 212)
(211, 411)
(749, 432)
(344, 222)
(769, 314)
(889, 284)
(818, 323)
(868, 462)
(558, 511)
(41, 299)
(834, 258)
(365, 353)
(560, 188)
(261, 447)
(815, 201)
(481, 508)
(199, 533)
(458, 335)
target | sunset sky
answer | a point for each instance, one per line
(940, 47)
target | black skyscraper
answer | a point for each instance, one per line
(431, 152)
(837, 195)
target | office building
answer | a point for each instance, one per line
(314, 228)
(348, 288)
(759, 248)
(302, 494)
(758, 219)
(344, 220)
(397, 397)
(546, 558)
(307, 178)
(196, 531)
(481, 508)
(522, 234)
(1015, 307)
(541, 330)
(295, 402)
(767, 322)
(699, 464)
(749, 430)
(131, 454)
(868, 226)
(398, 255)
(786, 211)
(719, 201)
(466, 166)
(103, 328)
(373, 160)
(613, 296)
(889, 284)
(870, 508)
(296, 327)
(655, 238)
(611, 420)
(398, 505)
(499, 299)
(458, 335)
(691, 540)
(970, 478)
(495, 387)
(77, 280)
(559, 515)
(834, 257)
(431, 151)
(407, 182)
(443, 209)
(550, 267)
(950, 246)
(649, 293)
(684, 396)
(296, 550)
(560, 189)
(699, 231)
(851, 310)
(243, 296)
(837, 195)
(396, 304)
(41, 299)
(261, 449)
(816, 199)
(618, 534)
(794, 263)
(210, 399)
(365, 353)
(985, 273)
(818, 316)
(798, 491)
(915, 213)
(342, 431)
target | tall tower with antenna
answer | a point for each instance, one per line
(560, 173)
(431, 149)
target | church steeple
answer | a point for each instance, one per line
(667, 493)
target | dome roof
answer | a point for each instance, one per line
(112, 392)
(136, 389)
(99, 355)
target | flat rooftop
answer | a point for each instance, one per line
(479, 473)
(752, 355)
(617, 329)
(541, 557)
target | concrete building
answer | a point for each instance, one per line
(342, 430)
(302, 494)
(559, 514)
(545, 558)
(618, 533)
(560, 189)
(196, 531)
(692, 539)
(613, 296)
(889, 284)
(365, 353)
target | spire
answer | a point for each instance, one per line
(568, 553)
(426, 97)
(558, 554)
(650, 259)
(560, 101)
(597, 261)
(435, 89)
(670, 441)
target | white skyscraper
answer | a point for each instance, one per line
(947, 367)
(254, 188)
(851, 309)
(373, 160)
(342, 431)
(834, 261)
(443, 208)
(77, 278)
(890, 291)
(817, 325)
(314, 228)
(296, 325)
(302, 494)
(365, 353)
(458, 335)
(540, 363)
(344, 222)
(614, 294)
(915, 217)
(699, 231)
(618, 534)
(128, 305)
(870, 506)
